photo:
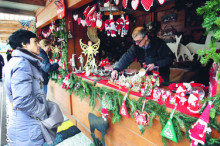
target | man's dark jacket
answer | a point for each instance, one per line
(47, 67)
(158, 53)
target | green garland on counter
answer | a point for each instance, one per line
(84, 89)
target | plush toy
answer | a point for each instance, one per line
(112, 27)
(200, 128)
(107, 28)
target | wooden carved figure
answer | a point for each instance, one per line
(174, 46)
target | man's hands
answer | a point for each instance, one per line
(150, 67)
(114, 75)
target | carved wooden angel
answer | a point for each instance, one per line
(89, 50)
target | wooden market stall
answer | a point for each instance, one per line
(126, 131)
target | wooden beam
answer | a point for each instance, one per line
(10, 25)
(16, 11)
(74, 4)
(47, 15)
(30, 2)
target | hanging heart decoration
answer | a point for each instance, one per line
(147, 4)
(79, 20)
(86, 11)
(125, 3)
(161, 2)
(75, 17)
(135, 4)
(88, 22)
(116, 2)
(92, 10)
(83, 22)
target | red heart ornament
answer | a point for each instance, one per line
(88, 22)
(147, 4)
(125, 3)
(79, 20)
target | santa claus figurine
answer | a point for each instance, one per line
(193, 103)
(199, 129)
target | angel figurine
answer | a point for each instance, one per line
(89, 50)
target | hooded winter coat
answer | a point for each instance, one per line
(24, 88)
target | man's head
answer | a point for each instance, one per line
(45, 45)
(140, 36)
(24, 39)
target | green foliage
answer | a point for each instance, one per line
(210, 13)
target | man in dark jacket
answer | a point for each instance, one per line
(150, 50)
(47, 67)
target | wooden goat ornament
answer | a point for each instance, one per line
(174, 46)
(194, 47)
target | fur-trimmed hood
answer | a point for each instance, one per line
(31, 57)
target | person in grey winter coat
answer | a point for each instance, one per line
(47, 66)
(151, 51)
(24, 88)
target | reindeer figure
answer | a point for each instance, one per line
(194, 47)
(185, 51)
(174, 46)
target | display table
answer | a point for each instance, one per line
(125, 132)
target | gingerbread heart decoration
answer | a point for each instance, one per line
(135, 4)
(147, 4)
(75, 17)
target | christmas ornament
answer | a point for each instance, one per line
(161, 2)
(106, 4)
(81, 60)
(168, 130)
(116, 2)
(106, 106)
(75, 17)
(55, 50)
(107, 28)
(83, 22)
(89, 50)
(79, 20)
(135, 4)
(125, 3)
(123, 110)
(91, 11)
(72, 62)
(147, 4)
(66, 82)
(156, 94)
(112, 27)
(200, 128)
(86, 11)
(140, 118)
(193, 103)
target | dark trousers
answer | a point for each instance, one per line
(0, 72)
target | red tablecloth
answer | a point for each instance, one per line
(181, 108)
